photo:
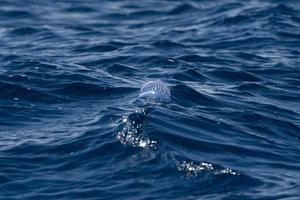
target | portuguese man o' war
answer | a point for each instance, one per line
(133, 132)
(155, 91)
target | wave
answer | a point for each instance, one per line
(72, 126)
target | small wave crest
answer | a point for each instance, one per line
(132, 132)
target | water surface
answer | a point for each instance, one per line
(71, 124)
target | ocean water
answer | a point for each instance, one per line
(72, 125)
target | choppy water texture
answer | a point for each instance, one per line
(72, 126)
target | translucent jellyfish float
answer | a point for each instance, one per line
(155, 91)
(133, 128)
(133, 131)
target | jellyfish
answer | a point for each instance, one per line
(155, 91)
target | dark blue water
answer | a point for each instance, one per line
(71, 126)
